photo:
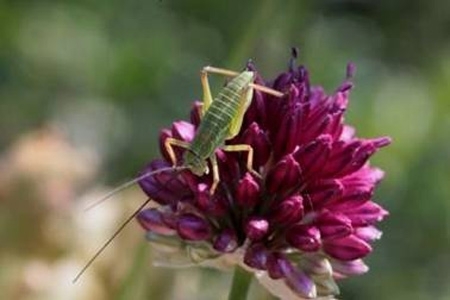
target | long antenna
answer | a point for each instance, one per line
(131, 217)
(106, 244)
(130, 183)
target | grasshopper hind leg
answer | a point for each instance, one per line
(229, 73)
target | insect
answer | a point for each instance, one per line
(221, 120)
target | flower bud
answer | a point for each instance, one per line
(284, 140)
(314, 155)
(333, 225)
(226, 241)
(192, 227)
(183, 130)
(211, 205)
(256, 256)
(152, 220)
(247, 193)
(288, 211)
(256, 228)
(257, 138)
(285, 175)
(301, 284)
(352, 267)
(195, 113)
(278, 266)
(157, 189)
(304, 237)
(347, 248)
(325, 192)
(368, 213)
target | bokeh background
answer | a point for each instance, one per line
(85, 87)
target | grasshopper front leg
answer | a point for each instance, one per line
(169, 143)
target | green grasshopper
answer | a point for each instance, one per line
(221, 120)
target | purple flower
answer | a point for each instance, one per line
(308, 220)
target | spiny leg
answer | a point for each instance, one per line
(244, 148)
(169, 143)
(207, 97)
(229, 73)
(216, 177)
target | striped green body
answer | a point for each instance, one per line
(216, 124)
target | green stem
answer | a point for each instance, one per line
(240, 285)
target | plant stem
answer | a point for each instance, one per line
(240, 285)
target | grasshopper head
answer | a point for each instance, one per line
(200, 168)
(196, 164)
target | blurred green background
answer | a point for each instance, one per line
(85, 87)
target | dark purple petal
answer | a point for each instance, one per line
(284, 175)
(335, 127)
(256, 228)
(202, 196)
(304, 237)
(313, 156)
(163, 187)
(359, 159)
(333, 225)
(226, 241)
(354, 155)
(341, 156)
(316, 128)
(347, 248)
(366, 214)
(256, 113)
(228, 165)
(351, 199)
(192, 227)
(283, 141)
(288, 211)
(364, 180)
(152, 220)
(325, 192)
(195, 113)
(182, 130)
(283, 81)
(213, 205)
(256, 256)
(257, 138)
(278, 266)
(247, 192)
(301, 284)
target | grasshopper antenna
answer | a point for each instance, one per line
(130, 183)
(106, 244)
(128, 220)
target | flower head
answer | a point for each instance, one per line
(308, 220)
